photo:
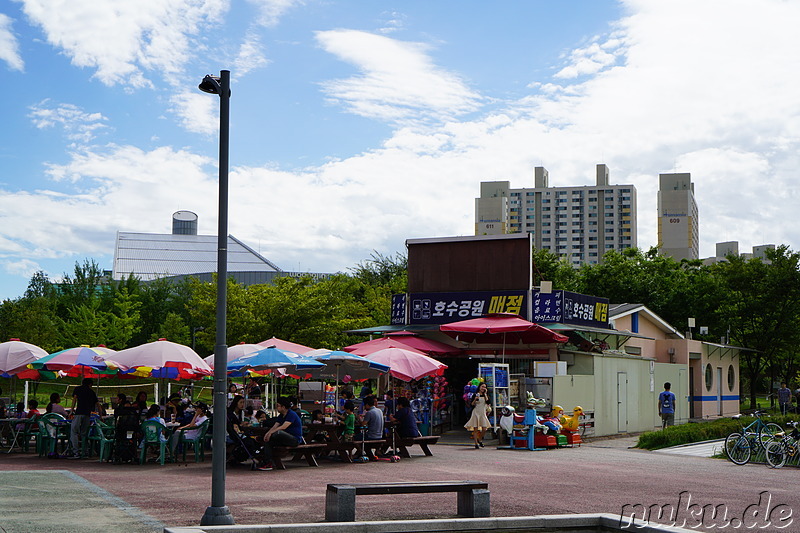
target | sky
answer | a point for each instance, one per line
(356, 125)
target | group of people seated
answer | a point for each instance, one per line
(286, 430)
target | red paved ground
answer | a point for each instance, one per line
(598, 477)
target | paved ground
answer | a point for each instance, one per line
(601, 476)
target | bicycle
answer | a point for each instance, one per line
(778, 451)
(740, 446)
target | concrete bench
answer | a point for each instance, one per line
(423, 442)
(307, 451)
(340, 499)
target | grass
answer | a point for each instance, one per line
(700, 431)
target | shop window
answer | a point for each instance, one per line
(709, 377)
(731, 378)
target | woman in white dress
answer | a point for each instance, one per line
(478, 423)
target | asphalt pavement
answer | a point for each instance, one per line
(603, 476)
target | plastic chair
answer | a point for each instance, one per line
(50, 433)
(197, 443)
(103, 435)
(30, 431)
(153, 432)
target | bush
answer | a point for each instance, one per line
(700, 431)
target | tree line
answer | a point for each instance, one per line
(750, 303)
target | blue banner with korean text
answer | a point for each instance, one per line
(398, 309)
(446, 307)
(570, 308)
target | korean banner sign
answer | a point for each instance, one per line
(445, 307)
(570, 308)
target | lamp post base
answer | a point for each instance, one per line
(217, 516)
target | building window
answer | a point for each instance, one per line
(731, 378)
(709, 377)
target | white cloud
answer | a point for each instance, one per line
(197, 112)
(9, 48)
(591, 59)
(125, 40)
(251, 56)
(270, 11)
(23, 267)
(113, 188)
(78, 125)
(398, 81)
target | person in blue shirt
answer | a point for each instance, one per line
(406, 421)
(666, 406)
(287, 431)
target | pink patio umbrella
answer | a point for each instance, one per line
(407, 365)
(160, 359)
(406, 341)
(15, 356)
(285, 345)
(235, 352)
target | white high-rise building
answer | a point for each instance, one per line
(579, 224)
(678, 225)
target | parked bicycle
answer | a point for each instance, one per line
(778, 451)
(752, 439)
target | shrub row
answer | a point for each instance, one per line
(700, 431)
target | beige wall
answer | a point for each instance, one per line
(616, 377)
(717, 398)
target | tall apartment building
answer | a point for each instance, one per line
(579, 224)
(678, 225)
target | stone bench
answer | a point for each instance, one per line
(340, 499)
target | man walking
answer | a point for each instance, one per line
(666, 406)
(784, 398)
(84, 400)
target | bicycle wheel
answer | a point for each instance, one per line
(776, 454)
(769, 433)
(737, 448)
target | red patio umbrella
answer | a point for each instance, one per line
(403, 340)
(501, 328)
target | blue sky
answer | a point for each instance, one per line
(356, 125)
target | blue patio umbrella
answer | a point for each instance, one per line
(339, 363)
(270, 359)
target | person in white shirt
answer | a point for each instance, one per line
(191, 430)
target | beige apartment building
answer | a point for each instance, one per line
(578, 223)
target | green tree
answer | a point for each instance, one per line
(761, 308)
(173, 329)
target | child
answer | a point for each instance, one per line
(349, 421)
(33, 412)
(260, 419)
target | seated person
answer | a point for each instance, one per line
(253, 389)
(372, 418)
(349, 421)
(191, 430)
(174, 408)
(260, 418)
(55, 405)
(406, 421)
(33, 412)
(287, 431)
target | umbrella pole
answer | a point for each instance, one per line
(336, 392)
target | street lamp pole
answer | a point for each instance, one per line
(218, 513)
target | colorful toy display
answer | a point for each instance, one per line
(533, 402)
(572, 423)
